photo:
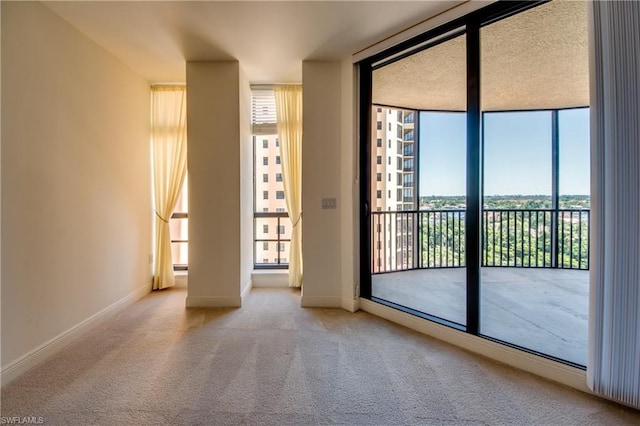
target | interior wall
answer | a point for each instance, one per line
(76, 198)
(321, 177)
(349, 190)
(246, 186)
(215, 215)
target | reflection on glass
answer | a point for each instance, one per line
(418, 182)
(534, 275)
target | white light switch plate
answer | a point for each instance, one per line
(329, 203)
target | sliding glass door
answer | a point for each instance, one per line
(476, 202)
(417, 176)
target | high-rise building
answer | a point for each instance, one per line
(272, 230)
(393, 189)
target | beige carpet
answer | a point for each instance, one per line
(274, 363)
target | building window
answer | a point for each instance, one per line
(389, 123)
(265, 195)
(265, 143)
(280, 209)
(389, 160)
(379, 143)
(277, 143)
(265, 246)
(277, 159)
(265, 209)
(278, 177)
(265, 229)
(379, 177)
(280, 230)
(279, 195)
(379, 109)
(265, 177)
(379, 125)
(265, 260)
(389, 143)
(281, 247)
(265, 161)
(379, 159)
(378, 193)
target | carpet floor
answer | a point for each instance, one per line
(274, 363)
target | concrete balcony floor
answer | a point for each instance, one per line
(545, 310)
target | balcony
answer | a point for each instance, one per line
(534, 272)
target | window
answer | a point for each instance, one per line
(268, 218)
(378, 177)
(281, 247)
(280, 230)
(509, 178)
(389, 143)
(389, 160)
(379, 159)
(179, 229)
(378, 193)
(379, 125)
(379, 143)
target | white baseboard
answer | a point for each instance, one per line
(213, 302)
(552, 370)
(247, 289)
(320, 302)
(49, 348)
(182, 279)
(270, 278)
(351, 305)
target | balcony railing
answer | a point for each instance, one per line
(535, 238)
(273, 235)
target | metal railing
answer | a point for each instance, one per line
(521, 238)
(279, 239)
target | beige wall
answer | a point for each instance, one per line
(321, 177)
(246, 186)
(349, 198)
(218, 195)
(76, 207)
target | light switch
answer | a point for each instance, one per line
(329, 203)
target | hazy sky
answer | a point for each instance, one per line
(517, 153)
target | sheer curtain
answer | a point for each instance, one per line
(289, 120)
(169, 150)
(613, 367)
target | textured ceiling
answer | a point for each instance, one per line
(534, 60)
(269, 38)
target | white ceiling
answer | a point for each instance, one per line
(270, 39)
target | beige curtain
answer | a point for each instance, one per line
(169, 148)
(289, 120)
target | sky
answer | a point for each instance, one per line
(517, 156)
